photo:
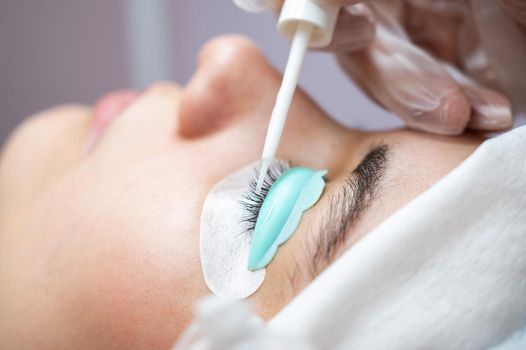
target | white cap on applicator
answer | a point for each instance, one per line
(308, 24)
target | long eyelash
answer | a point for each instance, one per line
(253, 200)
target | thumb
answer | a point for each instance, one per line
(410, 83)
(503, 41)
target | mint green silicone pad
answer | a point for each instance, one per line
(297, 190)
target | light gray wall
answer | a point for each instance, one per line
(56, 51)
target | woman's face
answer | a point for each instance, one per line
(99, 244)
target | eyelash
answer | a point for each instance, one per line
(253, 200)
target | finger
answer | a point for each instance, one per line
(433, 28)
(473, 60)
(491, 111)
(354, 30)
(452, 7)
(411, 84)
(504, 43)
(446, 29)
(517, 9)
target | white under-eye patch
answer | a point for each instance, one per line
(224, 242)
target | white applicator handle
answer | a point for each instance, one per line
(291, 76)
(308, 25)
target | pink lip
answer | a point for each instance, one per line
(109, 107)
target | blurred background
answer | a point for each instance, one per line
(61, 51)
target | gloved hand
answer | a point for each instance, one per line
(438, 64)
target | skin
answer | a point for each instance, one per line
(99, 249)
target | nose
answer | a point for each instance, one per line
(233, 80)
(233, 92)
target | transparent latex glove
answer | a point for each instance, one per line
(438, 64)
(354, 30)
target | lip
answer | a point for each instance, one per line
(107, 109)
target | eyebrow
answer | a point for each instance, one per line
(348, 204)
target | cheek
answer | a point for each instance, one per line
(121, 265)
(42, 148)
(144, 275)
(139, 291)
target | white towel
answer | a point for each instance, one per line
(447, 271)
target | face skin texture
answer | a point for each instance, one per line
(100, 249)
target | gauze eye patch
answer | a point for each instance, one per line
(241, 229)
(223, 244)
